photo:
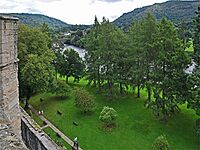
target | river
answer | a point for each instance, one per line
(79, 50)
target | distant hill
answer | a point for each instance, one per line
(175, 10)
(35, 20)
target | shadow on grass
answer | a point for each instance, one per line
(141, 127)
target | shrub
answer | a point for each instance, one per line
(108, 115)
(84, 100)
(60, 88)
(160, 143)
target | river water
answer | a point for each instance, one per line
(79, 50)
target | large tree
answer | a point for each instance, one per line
(168, 75)
(136, 56)
(68, 63)
(149, 33)
(35, 65)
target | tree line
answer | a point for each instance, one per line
(149, 55)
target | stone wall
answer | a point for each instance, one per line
(8, 139)
(34, 137)
(9, 103)
(13, 127)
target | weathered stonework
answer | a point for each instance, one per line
(9, 102)
(13, 127)
(34, 137)
(8, 138)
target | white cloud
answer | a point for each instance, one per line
(75, 11)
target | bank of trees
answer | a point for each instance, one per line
(36, 72)
(150, 55)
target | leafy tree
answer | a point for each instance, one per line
(108, 115)
(35, 66)
(168, 71)
(92, 56)
(149, 33)
(106, 56)
(193, 100)
(84, 101)
(61, 88)
(74, 65)
(68, 63)
(161, 143)
(136, 56)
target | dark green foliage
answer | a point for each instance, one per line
(68, 63)
(194, 91)
(161, 143)
(176, 11)
(168, 72)
(36, 72)
(151, 55)
(108, 115)
(84, 100)
(61, 88)
(197, 38)
(106, 56)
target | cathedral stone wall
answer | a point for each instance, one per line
(9, 102)
(17, 129)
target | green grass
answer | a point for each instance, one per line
(136, 127)
(53, 136)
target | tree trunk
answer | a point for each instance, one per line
(138, 91)
(67, 81)
(99, 81)
(95, 83)
(56, 74)
(149, 94)
(121, 88)
(110, 86)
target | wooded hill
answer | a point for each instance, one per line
(176, 11)
(35, 20)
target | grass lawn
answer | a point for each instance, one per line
(53, 136)
(136, 127)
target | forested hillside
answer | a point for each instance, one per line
(35, 20)
(176, 11)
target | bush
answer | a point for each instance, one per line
(108, 115)
(160, 143)
(60, 88)
(84, 101)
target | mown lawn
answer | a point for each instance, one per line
(136, 127)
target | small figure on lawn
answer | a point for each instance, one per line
(75, 146)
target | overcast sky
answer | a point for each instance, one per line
(75, 11)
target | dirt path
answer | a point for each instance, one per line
(48, 123)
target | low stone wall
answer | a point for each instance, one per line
(8, 138)
(33, 137)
